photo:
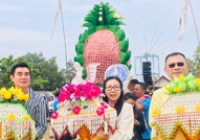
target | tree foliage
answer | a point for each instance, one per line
(45, 74)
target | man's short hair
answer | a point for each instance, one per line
(143, 85)
(134, 81)
(22, 65)
(174, 54)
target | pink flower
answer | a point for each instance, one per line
(100, 111)
(77, 94)
(104, 105)
(54, 115)
(91, 91)
(71, 88)
(76, 110)
(64, 95)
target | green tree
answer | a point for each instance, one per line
(69, 72)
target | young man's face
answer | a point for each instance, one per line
(176, 65)
(138, 91)
(21, 77)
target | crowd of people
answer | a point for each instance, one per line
(133, 107)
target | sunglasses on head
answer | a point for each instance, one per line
(179, 64)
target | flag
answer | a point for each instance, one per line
(59, 8)
(183, 19)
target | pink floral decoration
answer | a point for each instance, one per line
(76, 110)
(77, 94)
(54, 115)
(104, 105)
(87, 91)
(100, 111)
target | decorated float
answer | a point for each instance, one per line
(82, 112)
(15, 122)
(179, 117)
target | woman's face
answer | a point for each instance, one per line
(130, 101)
(112, 90)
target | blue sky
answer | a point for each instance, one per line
(25, 26)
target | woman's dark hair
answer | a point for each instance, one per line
(130, 95)
(119, 104)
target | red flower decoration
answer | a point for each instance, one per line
(77, 94)
(64, 95)
(100, 111)
(104, 105)
(54, 115)
(76, 110)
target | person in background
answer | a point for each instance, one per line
(132, 84)
(113, 90)
(139, 125)
(143, 104)
(50, 105)
(36, 106)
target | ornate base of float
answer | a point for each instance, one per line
(179, 115)
(15, 123)
(87, 124)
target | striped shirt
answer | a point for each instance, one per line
(36, 106)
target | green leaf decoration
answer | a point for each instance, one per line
(183, 84)
(79, 48)
(79, 59)
(124, 45)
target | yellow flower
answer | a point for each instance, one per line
(166, 87)
(7, 95)
(177, 89)
(197, 81)
(180, 109)
(20, 96)
(15, 91)
(26, 97)
(156, 112)
(181, 78)
(197, 107)
(3, 91)
(26, 117)
(11, 117)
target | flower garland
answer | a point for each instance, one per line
(14, 95)
(183, 85)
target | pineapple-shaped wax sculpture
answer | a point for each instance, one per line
(103, 43)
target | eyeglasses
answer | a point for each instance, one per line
(179, 64)
(116, 88)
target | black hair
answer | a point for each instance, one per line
(174, 54)
(143, 85)
(134, 81)
(119, 104)
(22, 65)
(130, 95)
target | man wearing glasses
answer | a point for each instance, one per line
(175, 64)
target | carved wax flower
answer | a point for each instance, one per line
(100, 111)
(104, 105)
(166, 88)
(76, 110)
(11, 117)
(197, 107)
(180, 109)
(156, 112)
(20, 96)
(77, 94)
(26, 117)
(54, 115)
(197, 81)
(177, 89)
(26, 97)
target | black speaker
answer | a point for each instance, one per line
(146, 71)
